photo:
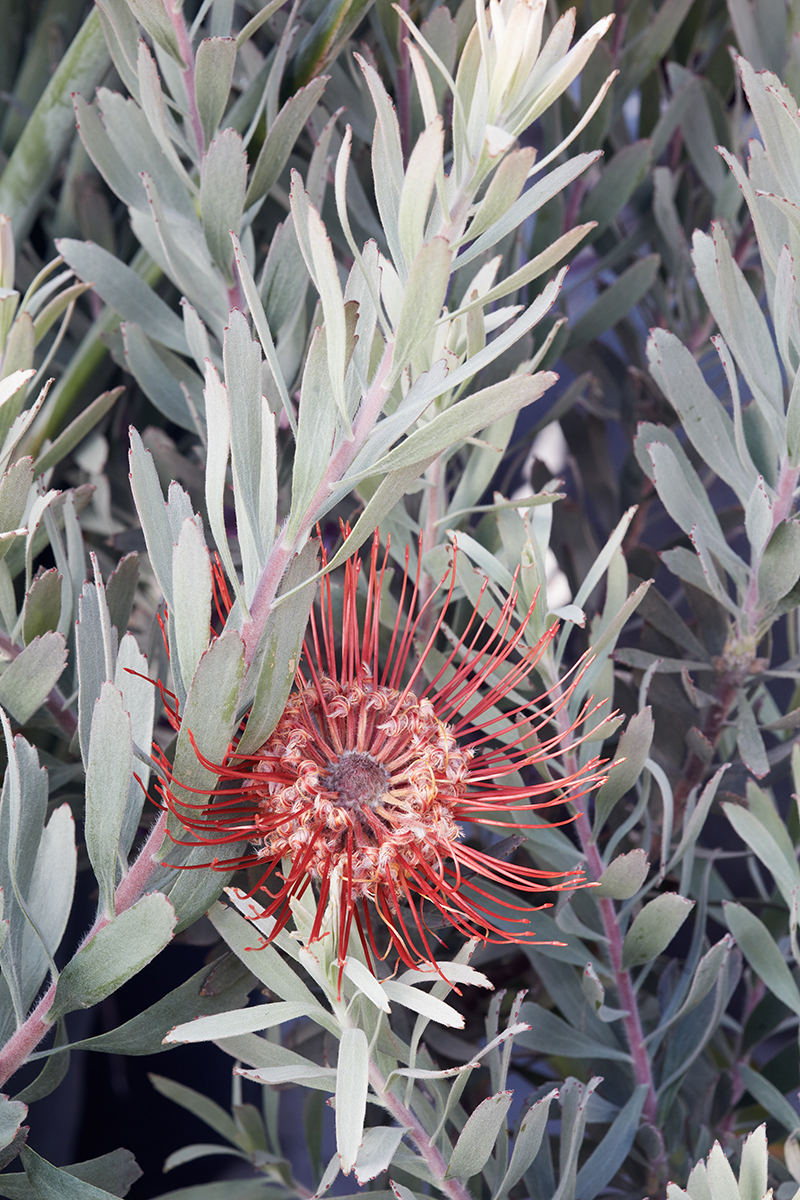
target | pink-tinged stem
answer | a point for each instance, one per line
(187, 54)
(131, 888)
(287, 545)
(416, 1131)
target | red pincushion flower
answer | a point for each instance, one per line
(366, 774)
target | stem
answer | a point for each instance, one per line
(187, 54)
(432, 1155)
(131, 888)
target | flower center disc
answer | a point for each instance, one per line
(358, 779)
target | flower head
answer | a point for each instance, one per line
(375, 774)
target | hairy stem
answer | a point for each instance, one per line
(131, 888)
(416, 1131)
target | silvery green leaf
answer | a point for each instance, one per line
(30, 677)
(318, 254)
(218, 427)
(242, 1020)
(41, 609)
(698, 818)
(780, 566)
(12, 1114)
(153, 15)
(606, 1159)
(624, 875)
(758, 518)
(785, 872)
(152, 101)
(793, 424)
(284, 277)
(708, 426)
(316, 429)
(644, 52)
(707, 973)
(527, 1142)
(654, 928)
(762, 953)
(265, 963)
(51, 1183)
(422, 1002)
(741, 321)
(262, 329)
(467, 417)
(152, 513)
(102, 149)
(14, 489)
(753, 1165)
(477, 1139)
(621, 176)
(721, 1179)
(125, 291)
(108, 776)
(365, 983)
(527, 204)
(281, 137)
(275, 1064)
(451, 972)
(138, 699)
(77, 430)
(122, 35)
(420, 177)
(686, 500)
(127, 126)
(213, 71)
(223, 178)
(249, 441)
(550, 1035)
(48, 899)
(116, 953)
(156, 375)
(387, 160)
(634, 748)
(423, 296)
(196, 337)
(274, 666)
(210, 715)
(748, 738)
(378, 1147)
(212, 989)
(190, 614)
(352, 1083)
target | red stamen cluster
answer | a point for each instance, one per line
(366, 774)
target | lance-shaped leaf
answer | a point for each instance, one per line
(352, 1082)
(114, 955)
(762, 953)
(108, 777)
(223, 178)
(51, 1183)
(281, 137)
(213, 73)
(423, 297)
(31, 676)
(478, 1137)
(654, 928)
(633, 750)
(190, 614)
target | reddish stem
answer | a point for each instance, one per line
(187, 54)
(131, 888)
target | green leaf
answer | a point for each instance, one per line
(550, 1035)
(125, 291)
(749, 740)
(654, 928)
(352, 1083)
(51, 1183)
(603, 1163)
(160, 376)
(117, 1171)
(780, 567)
(768, 1096)
(39, 152)
(477, 1139)
(628, 764)
(423, 297)
(153, 14)
(265, 962)
(281, 137)
(762, 953)
(615, 302)
(527, 1142)
(423, 1002)
(624, 876)
(108, 776)
(378, 1148)
(643, 53)
(190, 612)
(753, 1165)
(785, 873)
(223, 179)
(420, 177)
(115, 954)
(41, 610)
(213, 72)
(619, 180)
(12, 1114)
(242, 1020)
(30, 677)
(316, 431)
(152, 510)
(77, 430)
